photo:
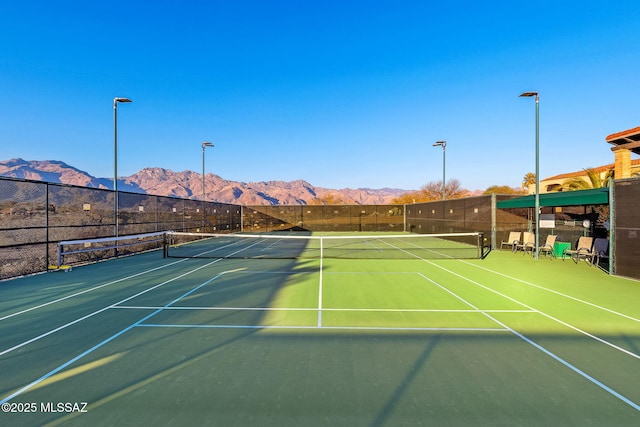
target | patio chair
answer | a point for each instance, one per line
(512, 241)
(547, 248)
(528, 243)
(582, 250)
(600, 251)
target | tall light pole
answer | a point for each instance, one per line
(537, 197)
(115, 161)
(443, 144)
(204, 145)
(204, 214)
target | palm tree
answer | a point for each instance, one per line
(528, 180)
(594, 179)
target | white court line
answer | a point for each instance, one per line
(90, 289)
(110, 306)
(371, 272)
(554, 292)
(548, 316)
(116, 335)
(318, 328)
(66, 364)
(269, 247)
(320, 284)
(575, 328)
(289, 272)
(66, 325)
(71, 361)
(389, 310)
(538, 346)
(133, 307)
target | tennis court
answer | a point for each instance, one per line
(321, 341)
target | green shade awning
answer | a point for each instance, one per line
(596, 196)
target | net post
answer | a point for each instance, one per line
(60, 248)
(494, 207)
(489, 248)
(165, 245)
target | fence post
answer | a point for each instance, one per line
(612, 225)
(46, 225)
(494, 205)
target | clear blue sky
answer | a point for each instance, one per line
(338, 93)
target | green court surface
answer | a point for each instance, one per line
(145, 340)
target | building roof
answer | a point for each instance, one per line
(598, 169)
(629, 139)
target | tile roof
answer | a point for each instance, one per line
(623, 134)
(629, 139)
(583, 172)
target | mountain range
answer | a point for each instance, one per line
(188, 184)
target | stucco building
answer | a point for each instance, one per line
(624, 143)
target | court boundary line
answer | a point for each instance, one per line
(80, 319)
(318, 328)
(509, 329)
(400, 310)
(552, 354)
(554, 292)
(320, 284)
(90, 289)
(321, 308)
(540, 347)
(575, 328)
(140, 323)
(50, 332)
(114, 336)
(548, 316)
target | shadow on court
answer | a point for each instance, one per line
(236, 343)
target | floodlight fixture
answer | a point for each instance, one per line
(443, 144)
(205, 144)
(116, 100)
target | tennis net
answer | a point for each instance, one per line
(91, 250)
(292, 246)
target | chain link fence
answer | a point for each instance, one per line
(324, 218)
(472, 214)
(35, 216)
(626, 230)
